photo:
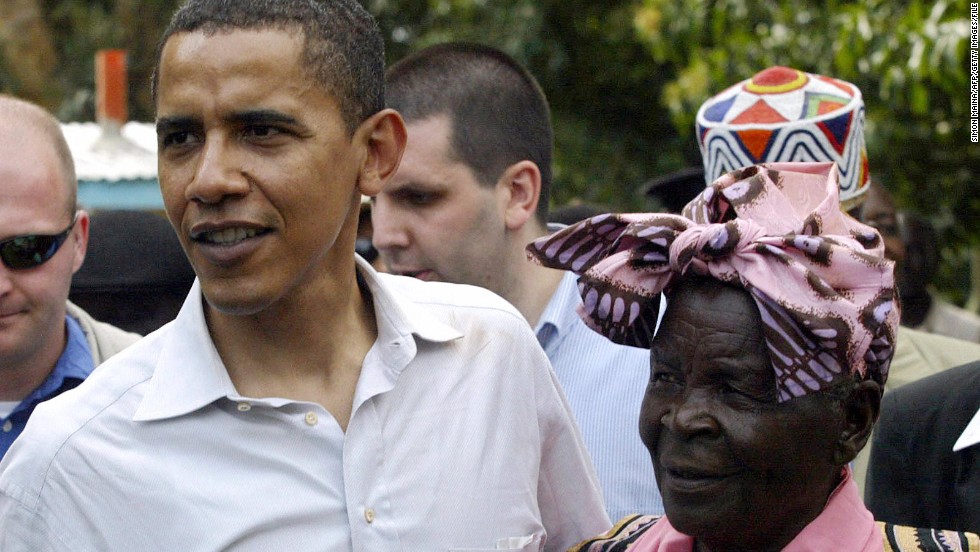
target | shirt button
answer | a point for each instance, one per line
(244, 407)
(8, 426)
(311, 418)
(369, 515)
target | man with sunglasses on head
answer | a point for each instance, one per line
(47, 345)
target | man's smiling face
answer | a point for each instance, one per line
(257, 168)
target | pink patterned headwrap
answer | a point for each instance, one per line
(824, 290)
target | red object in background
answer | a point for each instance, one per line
(111, 86)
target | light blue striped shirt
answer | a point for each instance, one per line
(604, 383)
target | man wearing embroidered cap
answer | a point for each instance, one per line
(786, 115)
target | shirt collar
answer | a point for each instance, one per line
(844, 524)
(75, 363)
(398, 316)
(76, 360)
(401, 324)
(970, 436)
(560, 315)
(189, 373)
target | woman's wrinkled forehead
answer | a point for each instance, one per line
(694, 293)
(697, 304)
(711, 335)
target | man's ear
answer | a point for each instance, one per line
(80, 232)
(384, 137)
(861, 408)
(520, 187)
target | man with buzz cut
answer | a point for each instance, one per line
(300, 400)
(47, 344)
(471, 192)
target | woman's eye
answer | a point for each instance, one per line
(741, 395)
(664, 377)
(729, 390)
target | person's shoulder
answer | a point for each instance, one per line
(943, 387)
(455, 297)
(959, 313)
(63, 424)
(930, 341)
(948, 319)
(919, 354)
(934, 409)
(104, 339)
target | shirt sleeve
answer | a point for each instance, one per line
(23, 529)
(569, 495)
(888, 482)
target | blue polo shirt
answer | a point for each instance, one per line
(74, 365)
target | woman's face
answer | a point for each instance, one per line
(737, 470)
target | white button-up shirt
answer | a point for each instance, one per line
(459, 439)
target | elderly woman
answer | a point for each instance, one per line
(767, 369)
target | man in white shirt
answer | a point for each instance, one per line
(299, 401)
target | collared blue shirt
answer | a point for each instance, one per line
(74, 365)
(604, 383)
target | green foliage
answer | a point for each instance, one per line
(82, 27)
(909, 58)
(610, 133)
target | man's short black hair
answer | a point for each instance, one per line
(498, 113)
(343, 50)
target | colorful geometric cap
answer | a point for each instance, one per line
(786, 115)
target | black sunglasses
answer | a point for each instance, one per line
(31, 250)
